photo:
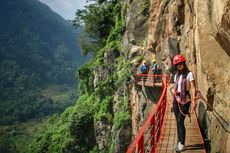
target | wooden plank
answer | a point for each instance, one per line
(150, 84)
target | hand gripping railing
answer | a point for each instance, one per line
(149, 135)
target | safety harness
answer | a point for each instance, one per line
(180, 97)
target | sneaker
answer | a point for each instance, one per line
(180, 147)
(175, 146)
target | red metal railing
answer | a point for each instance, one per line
(150, 78)
(149, 135)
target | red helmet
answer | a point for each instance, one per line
(178, 59)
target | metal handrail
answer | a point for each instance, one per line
(218, 116)
(138, 142)
(150, 78)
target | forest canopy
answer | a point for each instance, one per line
(38, 49)
(98, 21)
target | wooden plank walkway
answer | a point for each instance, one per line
(150, 84)
(193, 143)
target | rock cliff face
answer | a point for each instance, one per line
(200, 30)
(213, 64)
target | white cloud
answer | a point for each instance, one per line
(67, 4)
(66, 8)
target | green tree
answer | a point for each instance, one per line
(98, 20)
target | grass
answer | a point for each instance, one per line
(19, 136)
(58, 93)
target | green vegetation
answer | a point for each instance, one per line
(166, 1)
(98, 19)
(37, 50)
(75, 130)
(68, 132)
(145, 7)
(59, 94)
(17, 138)
(144, 43)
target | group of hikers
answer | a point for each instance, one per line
(184, 94)
(145, 68)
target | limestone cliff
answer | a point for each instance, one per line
(200, 30)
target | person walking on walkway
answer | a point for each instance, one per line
(144, 70)
(154, 67)
(154, 70)
(184, 90)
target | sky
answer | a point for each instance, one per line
(65, 8)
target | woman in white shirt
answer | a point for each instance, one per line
(184, 85)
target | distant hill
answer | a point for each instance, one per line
(38, 52)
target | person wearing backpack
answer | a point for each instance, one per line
(154, 70)
(144, 70)
(154, 67)
(184, 89)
